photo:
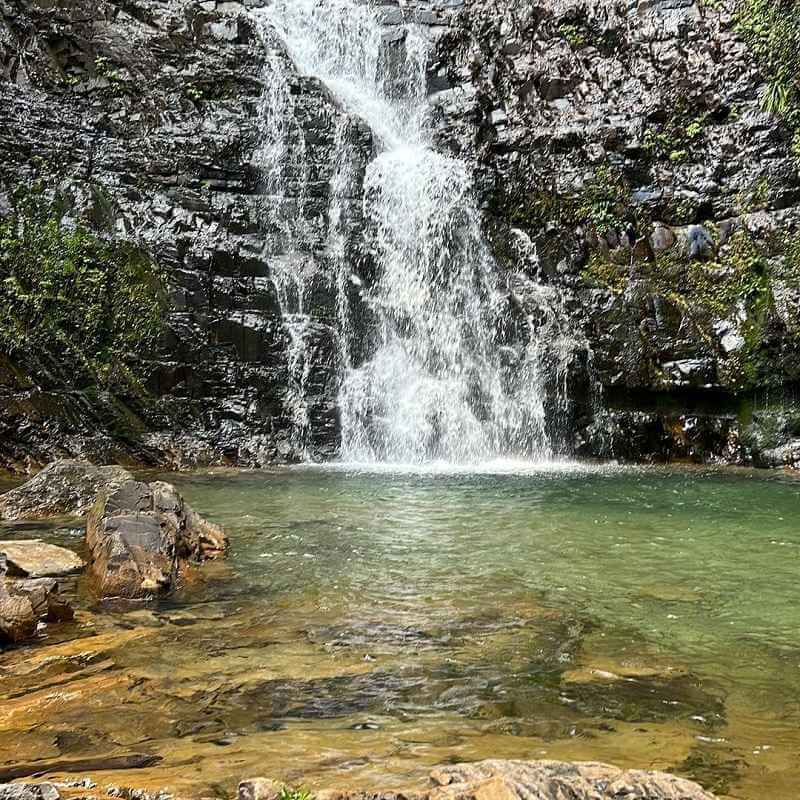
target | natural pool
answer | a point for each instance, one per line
(368, 625)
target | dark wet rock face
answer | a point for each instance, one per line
(625, 149)
(621, 156)
(144, 118)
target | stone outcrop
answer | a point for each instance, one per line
(61, 488)
(519, 780)
(140, 536)
(32, 558)
(552, 780)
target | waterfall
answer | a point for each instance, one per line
(445, 375)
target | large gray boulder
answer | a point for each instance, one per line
(519, 780)
(61, 488)
(141, 536)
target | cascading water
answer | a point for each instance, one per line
(442, 378)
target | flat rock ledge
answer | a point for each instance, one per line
(33, 558)
(519, 780)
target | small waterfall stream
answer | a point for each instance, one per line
(443, 378)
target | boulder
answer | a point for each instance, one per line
(17, 619)
(519, 780)
(24, 604)
(61, 488)
(260, 789)
(33, 558)
(140, 536)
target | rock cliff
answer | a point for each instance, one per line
(622, 158)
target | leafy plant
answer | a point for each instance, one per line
(674, 140)
(295, 794)
(94, 306)
(574, 34)
(602, 203)
(771, 28)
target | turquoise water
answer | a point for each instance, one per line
(687, 578)
(595, 541)
(369, 625)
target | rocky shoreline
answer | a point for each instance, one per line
(140, 539)
(485, 780)
(180, 694)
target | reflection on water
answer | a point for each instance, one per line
(368, 626)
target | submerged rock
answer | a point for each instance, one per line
(140, 536)
(33, 558)
(63, 487)
(520, 780)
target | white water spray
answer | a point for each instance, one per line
(441, 381)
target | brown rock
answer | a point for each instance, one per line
(141, 535)
(554, 780)
(17, 619)
(43, 595)
(24, 604)
(259, 789)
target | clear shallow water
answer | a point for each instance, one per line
(369, 625)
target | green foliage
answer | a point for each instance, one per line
(674, 141)
(772, 427)
(771, 28)
(741, 275)
(601, 204)
(104, 69)
(93, 306)
(599, 271)
(755, 198)
(295, 794)
(739, 279)
(574, 34)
